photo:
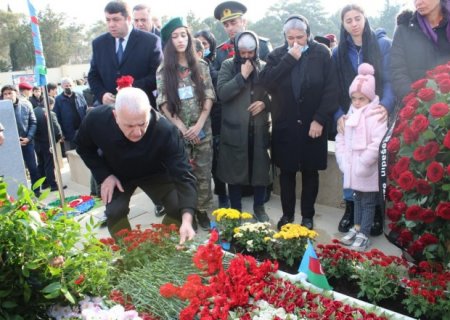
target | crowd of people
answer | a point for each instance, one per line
(236, 112)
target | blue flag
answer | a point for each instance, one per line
(40, 71)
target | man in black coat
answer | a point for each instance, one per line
(46, 166)
(124, 50)
(140, 148)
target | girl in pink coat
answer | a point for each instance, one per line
(357, 154)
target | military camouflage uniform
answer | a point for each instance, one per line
(200, 154)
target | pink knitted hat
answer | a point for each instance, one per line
(364, 82)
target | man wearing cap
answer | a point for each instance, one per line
(25, 90)
(230, 13)
(123, 50)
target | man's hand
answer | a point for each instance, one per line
(256, 107)
(107, 188)
(246, 69)
(24, 141)
(341, 124)
(381, 111)
(296, 51)
(315, 130)
(108, 98)
(186, 231)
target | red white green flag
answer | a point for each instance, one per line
(311, 266)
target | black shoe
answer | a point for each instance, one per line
(377, 226)
(284, 220)
(159, 211)
(260, 214)
(347, 219)
(203, 220)
(308, 223)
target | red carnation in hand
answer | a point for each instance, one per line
(124, 82)
(426, 94)
(438, 110)
(423, 187)
(406, 180)
(413, 213)
(419, 84)
(443, 210)
(420, 123)
(435, 171)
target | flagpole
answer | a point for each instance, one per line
(40, 75)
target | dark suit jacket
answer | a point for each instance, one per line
(42, 128)
(141, 58)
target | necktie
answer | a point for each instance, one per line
(120, 50)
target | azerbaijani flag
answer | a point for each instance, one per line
(311, 266)
(40, 71)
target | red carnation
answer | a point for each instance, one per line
(408, 97)
(399, 127)
(124, 82)
(406, 180)
(79, 280)
(413, 102)
(423, 187)
(410, 135)
(402, 164)
(444, 85)
(394, 145)
(405, 237)
(420, 123)
(446, 140)
(438, 110)
(407, 112)
(443, 210)
(428, 216)
(426, 94)
(413, 213)
(393, 214)
(428, 238)
(419, 84)
(420, 154)
(432, 149)
(401, 206)
(395, 195)
(435, 171)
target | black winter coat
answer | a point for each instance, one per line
(412, 53)
(315, 84)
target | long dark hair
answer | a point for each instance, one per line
(371, 54)
(171, 79)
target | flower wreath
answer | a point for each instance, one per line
(418, 186)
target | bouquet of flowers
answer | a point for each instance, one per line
(290, 243)
(418, 190)
(228, 220)
(253, 236)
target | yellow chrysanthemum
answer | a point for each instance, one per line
(246, 215)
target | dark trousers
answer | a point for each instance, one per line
(159, 188)
(310, 189)
(29, 157)
(45, 164)
(235, 193)
(220, 187)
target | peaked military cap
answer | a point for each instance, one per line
(229, 10)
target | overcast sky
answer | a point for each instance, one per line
(82, 11)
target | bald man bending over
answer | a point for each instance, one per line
(140, 148)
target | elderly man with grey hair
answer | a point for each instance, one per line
(244, 145)
(140, 148)
(142, 19)
(70, 109)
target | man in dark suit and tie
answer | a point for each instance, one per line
(123, 50)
